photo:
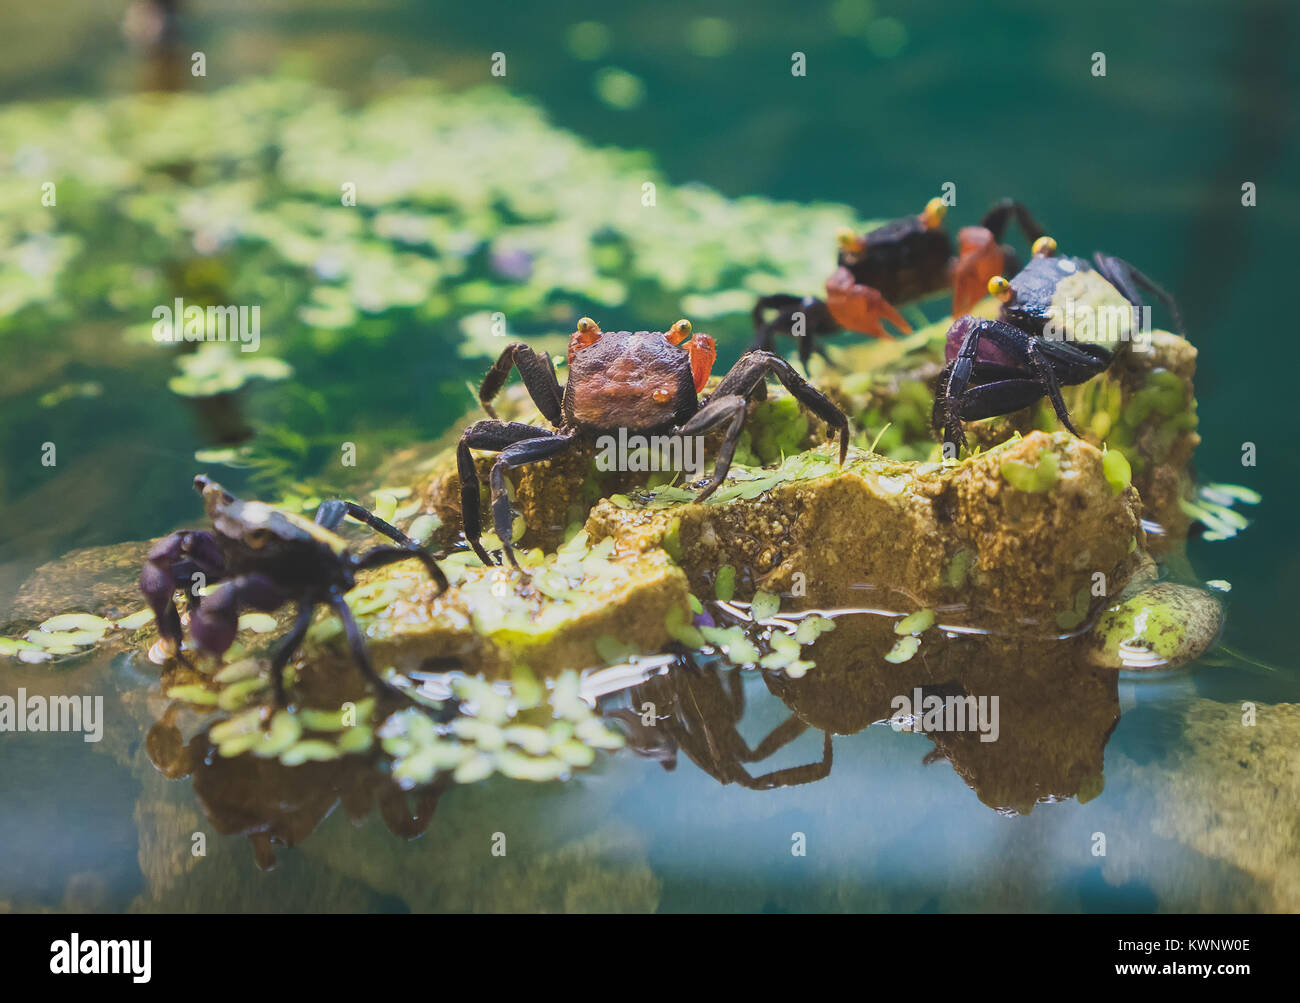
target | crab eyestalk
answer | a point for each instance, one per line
(587, 334)
(933, 213)
(849, 242)
(1000, 288)
(1044, 247)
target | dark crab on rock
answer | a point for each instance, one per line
(895, 264)
(1061, 323)
(262, 557)
(646, 382)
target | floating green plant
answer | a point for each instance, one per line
(915, 623)
(541, 742)
(69, 634)
(903, 650)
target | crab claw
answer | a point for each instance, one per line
(215, 622)
(702, 350)
(861, 308)
(979, 259)
(158, 585)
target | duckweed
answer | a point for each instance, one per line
(903, 650)
(764, 606)
(1070, 618)
(915, 623)
(1118, 471)
(283, 732)
(194, 694)
(236, 695)
(724, 585)
(785, 656)
(1036, 479)
(958, 567)
(495, 734)
(309, 750)
(812, 627)
(679, 630)
(733, 642)
(345, 717)
(77, 622)
(528, 691)
(245, 668)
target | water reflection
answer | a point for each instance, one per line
(274, 805)
(1032, 723)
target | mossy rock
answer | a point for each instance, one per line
(556, 617)
(1143, 406)
(895, 531)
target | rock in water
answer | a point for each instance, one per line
(1157, 629)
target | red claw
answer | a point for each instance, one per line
(861, 308)
(979, 259)
(703, 351)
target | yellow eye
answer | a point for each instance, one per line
(999, 287)
(257, 538)
(934, 212)
(1045, 246)
(588, 326)
(847, 239)
(683, 327)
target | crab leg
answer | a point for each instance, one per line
(753, 367)
(1126, 278)
(172, 564)
(357, 644)
(493, 435)
(331, 513)
(791, 775)
(1050, 363)
(997, 397)
(521, 453)
(817, 320)
(214, 623)
(538, 374)
(285, 651)
(729, 407)
(384, 555)
(997, 218)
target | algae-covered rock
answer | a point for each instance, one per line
(554, 618)
(1159, 628)
(1142, 406)
(960, 533)
(99, 580)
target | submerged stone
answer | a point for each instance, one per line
(1159, 628)
(1227, 788)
